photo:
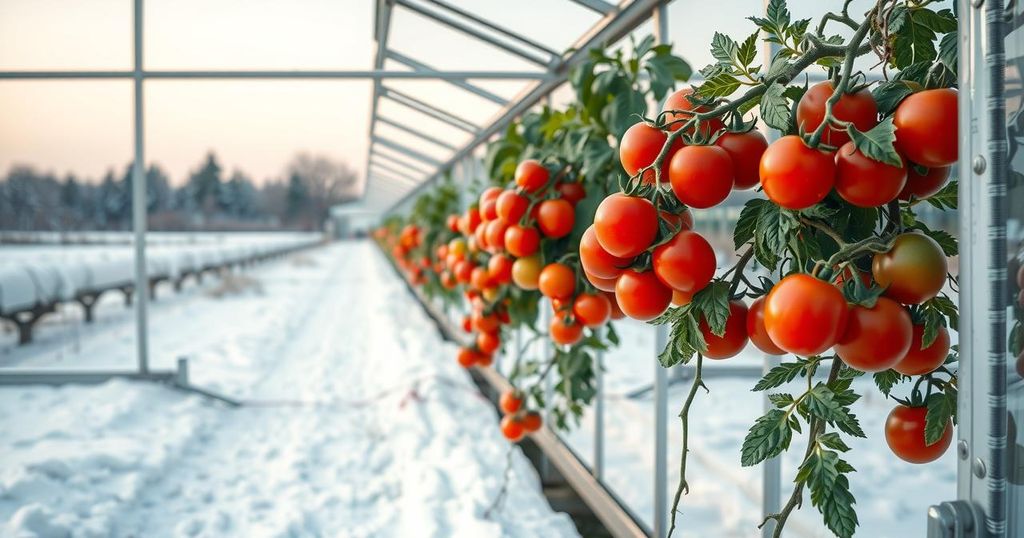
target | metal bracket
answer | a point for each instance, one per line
(954, 519)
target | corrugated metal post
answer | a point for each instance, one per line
(139, 203)
(771, 469)
(660, 20)
(598, 467)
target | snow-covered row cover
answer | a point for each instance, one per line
(33, 275)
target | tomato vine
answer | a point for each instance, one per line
(593, 210)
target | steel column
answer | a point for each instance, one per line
(139, 208)
(660, 20)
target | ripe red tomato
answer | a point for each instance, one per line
(592, 309)
(532, 421)
(483, 360)
(745, 149)
(511, 206)
(686, 262)
(467, 323)
(735, 337)
(486, 323)
(640, 146)
(919, 361)
(795, 176)
(904, 432)
(521, 241)
(488, 203)
(464, 271)
(556, 218)
(701, 176)
(679, 101)
(470, 221)
(453, 223)
(913, 271)
(467, 357)
(923, 186)
(512, 428)
(564, 330)
(480, 278)
(572, 192)
(865, 182)
(531, 176)
(603, 284)
(495, 233)
(510, 401)
(756, 331)
(596, 260)
(859, 107)
(641, 295)
(526, 272)
(625, 225)
(480, 236)
(680, 298)
(488, 342)
(803, 315)
(875, 338)
(499, 269)
(927, 127)
(557, 281)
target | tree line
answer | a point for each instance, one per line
(209, 199)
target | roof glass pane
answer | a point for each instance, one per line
(236, 34)
(555, 24)
(51, 35)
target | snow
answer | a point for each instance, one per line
(358, 422)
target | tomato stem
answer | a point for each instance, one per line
(684, 416)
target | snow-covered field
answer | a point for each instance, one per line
(358, 421)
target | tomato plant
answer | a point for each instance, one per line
(837, 268)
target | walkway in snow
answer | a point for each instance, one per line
(359, 423)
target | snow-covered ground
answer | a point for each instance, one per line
(358, 421)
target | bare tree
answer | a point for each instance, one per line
(327, 183)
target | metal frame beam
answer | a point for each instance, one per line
(374, 74)
(387, 168)
(406, 150)
(396, 178)
(598, 6)
(499, 29)
(472, 32)
(384, 153)
(610, 28)
(429, 109)
(422, 67)
(416, 132)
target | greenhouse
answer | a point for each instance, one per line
(474, 268)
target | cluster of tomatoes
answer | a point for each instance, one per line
(802, 314)
(402, 251)
(517, 422)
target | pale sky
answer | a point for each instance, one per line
(86, 126)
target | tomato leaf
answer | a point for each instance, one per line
(721, 85)
(775, 110)
(775, 23)
(748, 50)
(877, 144)
(712, 303)
(890, 94)
(781, 400)
(724, 49)
(684, 340)
(834, 441)
(947, 198)
(774, 227)
(887, 380)
(747, 223)
(824, 473)
(767, 438)
(941, 408)
(781, 374)
(942, 237)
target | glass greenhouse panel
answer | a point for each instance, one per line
(51, 35)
